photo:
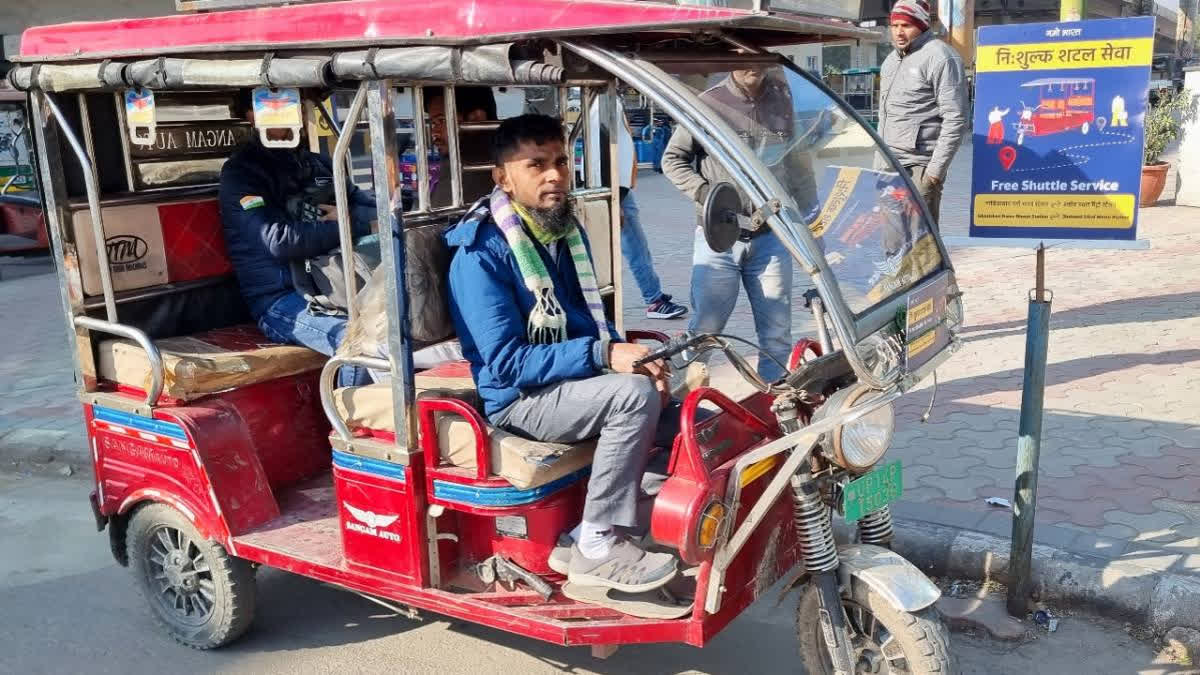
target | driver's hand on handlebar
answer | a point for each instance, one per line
(623, 355)
(327, 211)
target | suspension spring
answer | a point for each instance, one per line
(876, 528)
(814, 529)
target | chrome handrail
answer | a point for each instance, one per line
(93, 195)
(341, 197)
(157, 369)
(329, 372)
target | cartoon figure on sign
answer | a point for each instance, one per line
(1120, 117)
(996, 125)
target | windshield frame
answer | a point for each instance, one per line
(764, 189)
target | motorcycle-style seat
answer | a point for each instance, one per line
(523, 463)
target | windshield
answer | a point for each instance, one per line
(851, 197)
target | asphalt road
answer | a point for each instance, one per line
(66, 607)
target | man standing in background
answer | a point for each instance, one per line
(923, 100)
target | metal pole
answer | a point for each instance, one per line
(1073, 10)
(391, 249)
(1029, 442)
(341, 196)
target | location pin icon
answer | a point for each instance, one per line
(1101, 122)
(1008, 155)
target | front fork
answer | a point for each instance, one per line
(814, 531)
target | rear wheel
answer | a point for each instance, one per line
(885, 639)
(201, 595)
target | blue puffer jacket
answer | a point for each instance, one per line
(490, 304)
(266, 223)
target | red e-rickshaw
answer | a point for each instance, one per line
(1063, 104)
(216, 451)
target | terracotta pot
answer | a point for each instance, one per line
(1154, 179)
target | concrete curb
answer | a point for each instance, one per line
(1112, 587)
(44, 446)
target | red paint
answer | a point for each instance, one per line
(193, 241)
(23, 221)
(803, 346)
(1008, 156)
(375, 22)
(373, 512)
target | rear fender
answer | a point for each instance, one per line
(898, 581)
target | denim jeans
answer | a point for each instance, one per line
(764, 267)
(636, 251)
(288, 321)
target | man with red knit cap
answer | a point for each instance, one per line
(923, 100)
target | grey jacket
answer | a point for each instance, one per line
(768, 117)
(923, 104)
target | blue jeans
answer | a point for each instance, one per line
(636, 251)
(288, 321)
(764, 267)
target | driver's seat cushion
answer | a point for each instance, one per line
(523, 463)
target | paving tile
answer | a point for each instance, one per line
(1092, 544)
(1158, 526)
(1191, 510)
(962, 489)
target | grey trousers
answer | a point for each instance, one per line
(932, 194)
(627, 415)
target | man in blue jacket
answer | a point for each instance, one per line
(276, 207)
(547, 363)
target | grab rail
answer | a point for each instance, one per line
(93, 195)
(341, 198)
(143, 341)
(326, 387)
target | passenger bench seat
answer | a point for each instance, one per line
(206, 363)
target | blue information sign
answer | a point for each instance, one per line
(1058, 128)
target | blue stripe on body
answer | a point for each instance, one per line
(138, 422)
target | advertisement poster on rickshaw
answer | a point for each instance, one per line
(1058, 129)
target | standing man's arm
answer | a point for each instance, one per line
(949, 86)
(679, 164)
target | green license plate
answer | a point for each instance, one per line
(872, 491)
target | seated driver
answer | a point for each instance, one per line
(546, 362)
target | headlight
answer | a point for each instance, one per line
(880, 352)
(860, 444)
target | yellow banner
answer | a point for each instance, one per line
(1112, 211)
(1056, 55)
(839, 194)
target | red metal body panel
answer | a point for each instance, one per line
(23, 221)
(373, 512)
(360, 21)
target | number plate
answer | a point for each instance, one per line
(872, 491)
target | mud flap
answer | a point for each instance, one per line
(900, 582)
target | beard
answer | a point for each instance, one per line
(556, 220)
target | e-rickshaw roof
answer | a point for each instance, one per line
(434, 22)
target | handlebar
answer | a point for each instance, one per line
(705, 342)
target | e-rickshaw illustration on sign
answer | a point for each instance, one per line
(1063, 104)
(216, 451)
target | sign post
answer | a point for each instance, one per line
(1057, 160)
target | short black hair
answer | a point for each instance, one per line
(468, 99)
(514, 131)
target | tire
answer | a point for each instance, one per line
(922, 639)
(205, 601)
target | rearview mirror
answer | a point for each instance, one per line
(720, 217)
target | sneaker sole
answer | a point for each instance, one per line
(583, 579)
(666, 315)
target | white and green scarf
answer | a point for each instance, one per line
(547, 321)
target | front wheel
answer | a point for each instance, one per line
(201, 595)
(885, 639)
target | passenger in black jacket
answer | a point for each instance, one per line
(277, 207)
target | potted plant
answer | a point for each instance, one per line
(1163, 123)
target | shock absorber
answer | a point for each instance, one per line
(814, 530)
(876, 528)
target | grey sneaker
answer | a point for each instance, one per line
(560, 556)
(626, 568)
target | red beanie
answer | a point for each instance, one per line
(915, 12)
